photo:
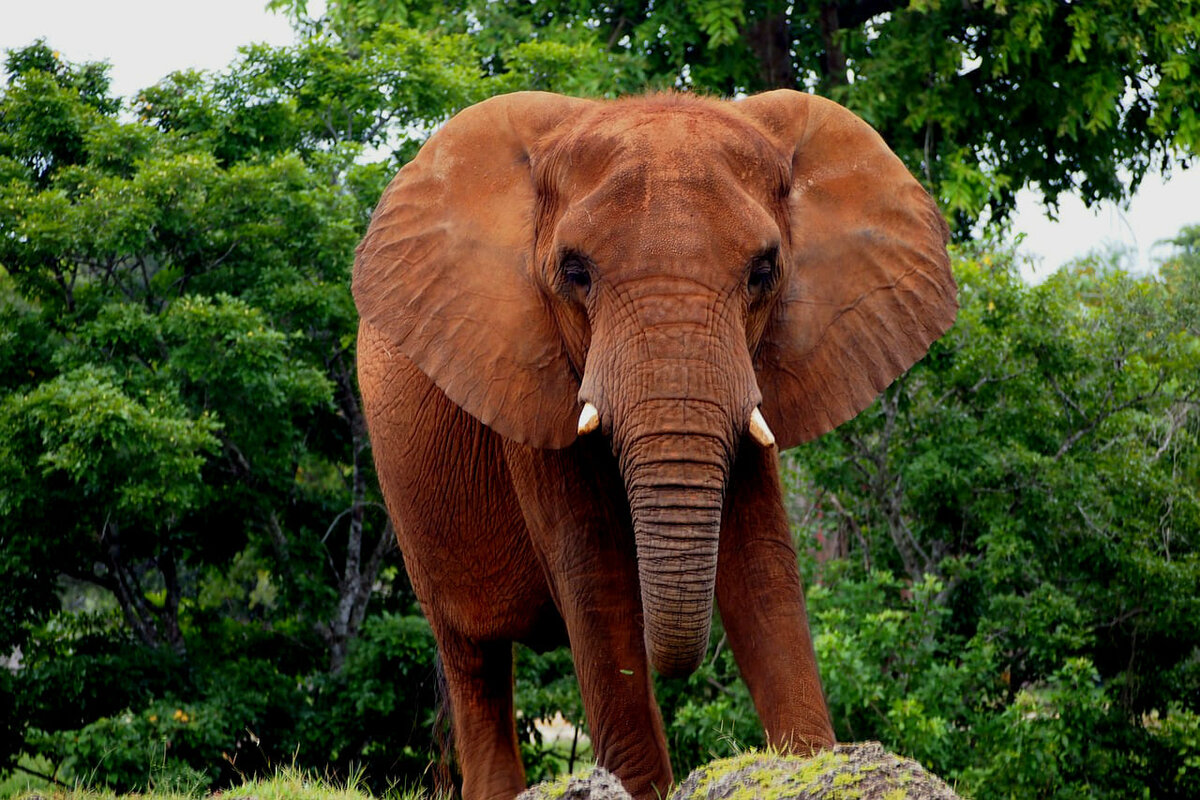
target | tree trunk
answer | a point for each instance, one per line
(357, 581)
(771, 40)
(835, 58)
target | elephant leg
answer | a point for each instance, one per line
(584, 539)
(479, 676)
(762, 607)
(466, 551)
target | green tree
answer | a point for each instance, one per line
(184, 462)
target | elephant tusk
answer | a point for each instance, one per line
(758, 429)
(589, 419)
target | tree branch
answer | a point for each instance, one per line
(1074, 438)
(854, 528)
(132, 606)
(615, 36)
(170, 611)
(40, 775)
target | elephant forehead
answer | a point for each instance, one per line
(676, 137)
(656, 211)
(677, 149)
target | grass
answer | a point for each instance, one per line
(20, 783)
(287, 784)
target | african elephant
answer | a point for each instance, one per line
(587, 328)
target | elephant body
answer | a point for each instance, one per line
(688, 274)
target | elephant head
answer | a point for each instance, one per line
(691, 275)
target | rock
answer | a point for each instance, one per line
(848, 772)
(599, 784)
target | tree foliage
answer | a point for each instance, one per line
(980, 98)
(184, 460)
(199, 574)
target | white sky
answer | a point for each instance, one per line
(144, 40)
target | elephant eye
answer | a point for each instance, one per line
(763, 273)
(576, 272)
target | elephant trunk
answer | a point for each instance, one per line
(676, 485)
(675, 396)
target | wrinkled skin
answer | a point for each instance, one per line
(676, 263)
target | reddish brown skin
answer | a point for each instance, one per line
(477, 351)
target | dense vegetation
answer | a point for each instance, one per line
(1003, 553)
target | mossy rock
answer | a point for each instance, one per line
(599, 784)
(847, 772)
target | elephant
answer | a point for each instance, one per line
(587, 330)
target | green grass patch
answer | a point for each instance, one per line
(287, 784)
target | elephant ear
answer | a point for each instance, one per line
(445, 270)
(867, 285)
